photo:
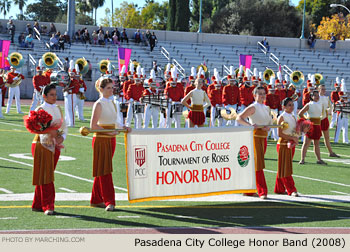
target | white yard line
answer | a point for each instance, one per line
(313, 179)
(5, 190)
(61, 173)
(8, 218)
(186, 217)
(67, 190)
(343, 193)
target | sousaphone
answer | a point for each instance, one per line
(319, 79)
(297, 78)
(50, 60)
(268, 73)
(16, 60)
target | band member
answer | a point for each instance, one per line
(119, 98)
(334, 98)
(281, 92)
(39, 82)
(190, 86)
(130, 79)
(151, 111)
(45, 160)
(306, 93)
(215, 97)
(273, 102)
(230, 95)
(259, 115)
(199, 101)
(81, 97)
(284, 179)
(342, 119)
(174, 93)
(314, 110)
(133, 96)
(326, 107)
(293, 93)
(12, 77)
(3, 87)
(69, 94)
(246, 94)
(104, 116)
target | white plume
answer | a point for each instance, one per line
(77, 68)
(193, 71)
(131, 67)
(256, 73)
(138, 70)
(71, 65)
(232, 70)
(337, 80)
(313, 79)
(279, 76)
(152, 74)
(143, 72)
(261, 77)
(343, 86)
(122, 71)
(41, 63)
(272, 81)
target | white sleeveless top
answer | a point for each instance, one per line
(109, 112)
(292, 123)
(324, 100)
(262, 114)
(199, 97)
(56, 114)
(315, 109)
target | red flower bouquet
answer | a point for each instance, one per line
(41, 122)
(303, 126)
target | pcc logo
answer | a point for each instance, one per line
(243, 156)
(140, 163)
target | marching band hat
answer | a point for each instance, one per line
(341, 93)
(309, 85)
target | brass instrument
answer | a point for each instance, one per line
(297, 78)
(205, 69)
(237, 71)
(268, 73)
(284, 126)
(231, 116)
(136, 64)
(81, 95)
(50, 60)
(103, 66)
(295, 97)
(16, 60)
(83, 65)
(86, 131)
(319, 79)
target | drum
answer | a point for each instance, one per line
(139, 108)
(177, 108)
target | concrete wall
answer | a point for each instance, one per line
(205, 38)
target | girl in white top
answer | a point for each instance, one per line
(199, 101)
(326, 106)
(314, 110)
(258, 115)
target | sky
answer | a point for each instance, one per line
(101, 11)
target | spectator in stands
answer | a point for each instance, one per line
(29, 29)
(266, 44)
(1, 28)
(137, 36)
(36, 30)
(21, 40)
(115, 39)
(53, 42)
(148, 35)
(61, 43)
(101, 38)
(37, 26)
(311, 41)
(94, 37)
(86, 37)
(116, 32)
(58, 35)
(8, 24)
(100, 29)
(66, 64)
(107, 38)
(67, 38)
(52, 29)
(332, 42)
(124, 36)
(152, 41)
(88, 74)
(12, 31)
(144, 39)
(29, 41)
(77, 36)
(44, 29)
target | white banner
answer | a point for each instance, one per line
(177, 163)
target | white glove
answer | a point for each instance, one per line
(16, 78)
(131, 100)
(81, 90)
(170, 100)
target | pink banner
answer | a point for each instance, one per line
(4, 50)
(245, 60)
(124, 55)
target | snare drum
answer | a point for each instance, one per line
(177, 108)
(139, 108)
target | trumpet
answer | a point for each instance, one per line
(86, 131)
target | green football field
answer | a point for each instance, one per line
(324, 201)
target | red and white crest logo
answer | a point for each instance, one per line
(140, 156)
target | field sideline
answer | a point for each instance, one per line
(324, 202)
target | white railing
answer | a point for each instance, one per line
(262, 48)
(179, 67)
(37, 34)
(60, 64)
(250, 71)
(274, 59)
(31, 63)
(226, 69)
(165, 53)
(287, 70)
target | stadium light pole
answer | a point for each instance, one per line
(339, 5)
(302, 27)
(200, 17)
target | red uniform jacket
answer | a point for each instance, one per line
(75, 85)
(126, 87)
(82, 84)
(11, 76)
(210, 87)
(215, 96)
(230, 95)
(305, 90)
(40, 81)
(246, 95)
(135, 92)
(187, 90)
(306, 98)
(48, 73)
(273, 101)
(174, 93)
(281, 93)
(334, 96)
(150, 91)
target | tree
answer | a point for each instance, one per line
(95, 4)
(171, 15)
(5, 6)
(21, 4)
(337, 24)
(44, 10)
(178, 15)
(154, 15)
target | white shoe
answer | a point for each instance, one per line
(263, 197)
(110, 207)
(294, 194)
(48, 212)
